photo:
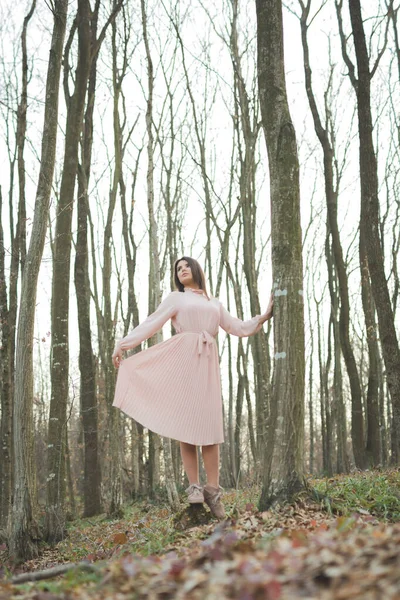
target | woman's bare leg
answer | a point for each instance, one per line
(190, 462)
(211, 463)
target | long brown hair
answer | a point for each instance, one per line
(197, 274)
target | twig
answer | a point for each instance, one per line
(52, 572)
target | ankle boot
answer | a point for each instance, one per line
(212, 497)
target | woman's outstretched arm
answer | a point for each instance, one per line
(149, 327)
(244, 328)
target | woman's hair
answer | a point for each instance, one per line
(197, 274)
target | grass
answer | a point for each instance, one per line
(147, 528)
(373, 492)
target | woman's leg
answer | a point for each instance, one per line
(212, 491)
(211, 463)
(190, 462)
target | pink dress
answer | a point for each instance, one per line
(173, 388)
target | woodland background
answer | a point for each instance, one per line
(160, 152)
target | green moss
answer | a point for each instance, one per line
(373, 492)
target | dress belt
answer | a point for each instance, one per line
(206, 339)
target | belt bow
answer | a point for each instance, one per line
(205, 338)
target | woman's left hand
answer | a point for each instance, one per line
(117, 356)
(270, 309)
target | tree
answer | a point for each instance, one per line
(283, 462)
(87, 367)
(55, 515)
(56, 478)
(8, 309)
(324, 133)
(154, 277)
(370, 209)
(24, 533)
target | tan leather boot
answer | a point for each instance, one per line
(195, 494)
(212, 497)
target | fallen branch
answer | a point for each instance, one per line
(52, 572)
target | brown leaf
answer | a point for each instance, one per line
(120, 538)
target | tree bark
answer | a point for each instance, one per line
(248, 129)
(331, 195)
(282, 471)
(56, 477)
(370, 217)
(154, 281)
(373, 443)
(5, 390)
(24, 533)
(88, 396)
(8, 310)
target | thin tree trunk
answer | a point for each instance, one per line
(249, 132)
(70, 483)
(337, 415)
(370, 217)
(5, 390)
(282, 472)
(24, 533)
(55, 509)
(8, 310)
(135, 460)
(154, 282)
(87, 366)
(373, 444)
(331, 194)
(310, 396)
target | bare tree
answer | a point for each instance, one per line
(283, 462)
(9, 307)
(24, 533)
(325, 135)
(154, 276)
(370, 206)
(55, 510)
(5, 389)
(88, 398)
(247, 130)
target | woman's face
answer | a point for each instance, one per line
(184, 273)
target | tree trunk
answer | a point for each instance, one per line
(282, 472)
(154, 281)
(5, 390)
(336, 415)
(248, 131)
(55, 509)
(310, 397)
(88, 397)
(373, 443)
(370, 217)
(331, 195)
(8, 310)
(24, 534)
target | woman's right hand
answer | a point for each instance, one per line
(117, 356)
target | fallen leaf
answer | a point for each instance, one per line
(120, 538)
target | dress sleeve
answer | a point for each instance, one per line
(237, 326)
(152, 324)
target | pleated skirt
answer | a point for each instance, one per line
(174, 389)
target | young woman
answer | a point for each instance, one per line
(174, 388)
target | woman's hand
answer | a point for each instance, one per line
(270, 309)
(117, 356)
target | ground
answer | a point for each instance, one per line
(340, 539)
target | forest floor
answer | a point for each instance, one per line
(339, 540)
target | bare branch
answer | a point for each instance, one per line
(343, 42)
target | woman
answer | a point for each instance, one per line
(174, 388)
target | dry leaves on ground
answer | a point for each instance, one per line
(295, 552)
